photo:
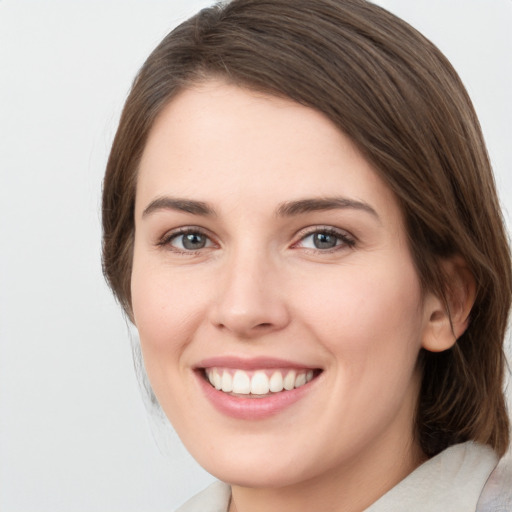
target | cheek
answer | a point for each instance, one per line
(165, 313)
(369, 317)
(370, 322)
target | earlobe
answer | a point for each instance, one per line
(447, 321)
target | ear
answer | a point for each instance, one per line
(446, 322)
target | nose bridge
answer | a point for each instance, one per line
(249, 300)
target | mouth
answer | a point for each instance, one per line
(256, 388)
(259, 383)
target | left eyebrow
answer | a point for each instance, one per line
(290, 208)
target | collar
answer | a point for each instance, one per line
(452, 480)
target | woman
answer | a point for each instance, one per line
(301, 221)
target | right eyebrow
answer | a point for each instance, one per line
(180, 205)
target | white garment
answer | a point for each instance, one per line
(451, 481)
(214, 498)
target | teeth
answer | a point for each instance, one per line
(258, 383)
(300, 380)
(289, 380)
(241, 383)
(276, 382)
(217, 381)
(227, 382)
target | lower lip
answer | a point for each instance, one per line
(252, 408)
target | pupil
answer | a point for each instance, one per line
(194, 241)
(324, 241)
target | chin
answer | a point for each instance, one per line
(258, 472)
(265, 460)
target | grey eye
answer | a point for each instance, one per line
(320, 240)
(193, 241)
(187, 240)
(324, 240)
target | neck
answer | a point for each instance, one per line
(351, 487)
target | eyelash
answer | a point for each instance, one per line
(166, 240)
(346, 241)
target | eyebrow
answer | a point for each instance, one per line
(287, 209)
(181, 205)
(291, 208)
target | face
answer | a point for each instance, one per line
(279, 311)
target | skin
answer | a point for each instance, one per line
(260, 287)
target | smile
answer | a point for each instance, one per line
(257, 383)
(256, 388)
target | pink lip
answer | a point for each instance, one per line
(243, 408)
(255, 363)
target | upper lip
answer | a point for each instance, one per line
(255, 363)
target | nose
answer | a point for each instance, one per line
(250, 300)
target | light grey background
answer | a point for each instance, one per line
(74, 433)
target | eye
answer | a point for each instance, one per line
(188, 240)
(325, 239)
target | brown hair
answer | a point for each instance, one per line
(398, 98)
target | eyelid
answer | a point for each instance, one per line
(165, 240)
(347, 239)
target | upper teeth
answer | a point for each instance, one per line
(259, 382)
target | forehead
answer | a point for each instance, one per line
(219, 141)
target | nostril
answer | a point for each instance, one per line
(249, 319)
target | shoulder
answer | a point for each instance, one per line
(460, 477)
(452, 480)
(214, 498)
(497, 493)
